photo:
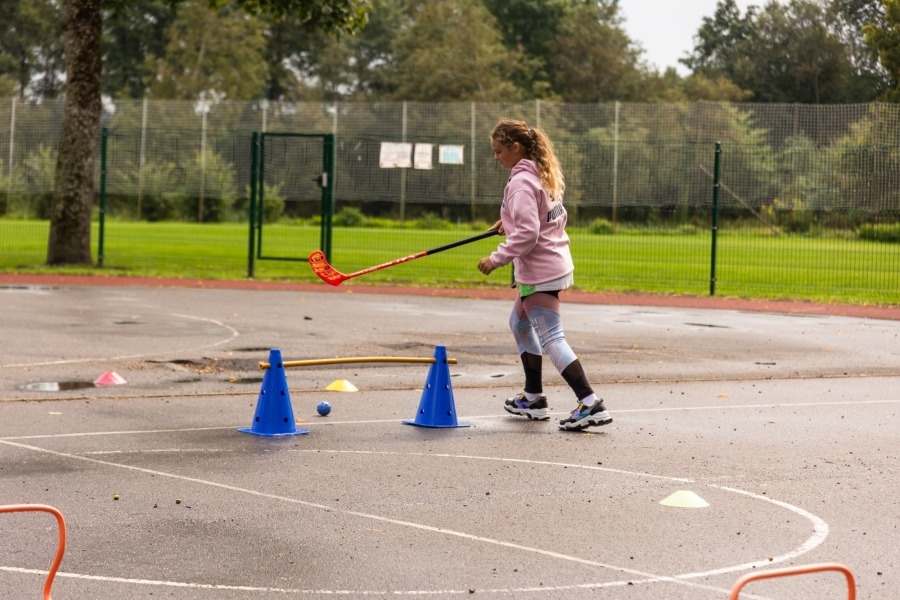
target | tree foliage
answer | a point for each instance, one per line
(594, 60)
(794, 57)
(31, 51)
(452, 49)
(214, 53)
(869, 78)
(885, 39)
(568, 50)
(531, 28)
(800, 51)
(132, 33)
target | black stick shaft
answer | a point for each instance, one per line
(475, 238)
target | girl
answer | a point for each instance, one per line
(533, 220)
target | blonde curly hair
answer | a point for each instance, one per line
(538, 148)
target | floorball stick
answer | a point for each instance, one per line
(329, 274)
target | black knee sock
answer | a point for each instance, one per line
(574, 376)
(532, 365)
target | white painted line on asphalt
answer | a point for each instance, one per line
(505, 416)
(819, 535)
(500, 459)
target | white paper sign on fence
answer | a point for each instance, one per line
(422, 156)
(451, 154)
(395, 155)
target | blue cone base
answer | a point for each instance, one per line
(274, 414)
(250, 431)
(417, 424)
(436, 408)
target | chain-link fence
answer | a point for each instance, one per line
(812, 191)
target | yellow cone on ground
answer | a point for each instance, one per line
(341, 385)
(684, 499)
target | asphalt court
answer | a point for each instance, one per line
(785, 425)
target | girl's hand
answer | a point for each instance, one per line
(485, 265)
(499, 227)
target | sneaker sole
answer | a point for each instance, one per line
(538, 414)
(591, 421)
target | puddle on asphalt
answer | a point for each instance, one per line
(63, 386)
(245, 380)
(58, 386)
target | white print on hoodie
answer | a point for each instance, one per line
(535, 226)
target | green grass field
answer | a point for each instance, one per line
(748, 264)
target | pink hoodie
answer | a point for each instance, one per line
(535, 226)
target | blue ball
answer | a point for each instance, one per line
(323, 408)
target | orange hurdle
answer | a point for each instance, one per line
(851, 582)
(61, 546)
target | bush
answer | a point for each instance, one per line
(349, 217)
(431, 221)
(216, 183)
(792, 216)
(157, 202)
(39, 169)
(273, 209)
(880, 233)
(602, 227)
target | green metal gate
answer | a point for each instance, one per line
(296, 164)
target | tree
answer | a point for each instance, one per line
(451, 50)
(321, 67)
(132, 32)
(31, 53)
(70, 215)
(73, 189)
(593, 59)
(715, 89)
(794, 57)
(288, 54)
(369, 54)
(531, 28)
(848, 18)
(718, 42)
(787, 52)
(215, 52)
(7, 86)
(886, 40)
(792, 51)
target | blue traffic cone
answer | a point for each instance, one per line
(436, 408)
(274, 414)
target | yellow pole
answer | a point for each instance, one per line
(358, 359)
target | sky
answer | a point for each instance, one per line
(666, 28)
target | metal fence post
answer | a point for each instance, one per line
(328, 168)
(615, 167)
(403, 172)
(254, 166)
(260, 192)
(12, 155)
(104, 137)
(473, 182)
(715, 220)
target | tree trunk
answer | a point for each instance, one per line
(73, 193)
